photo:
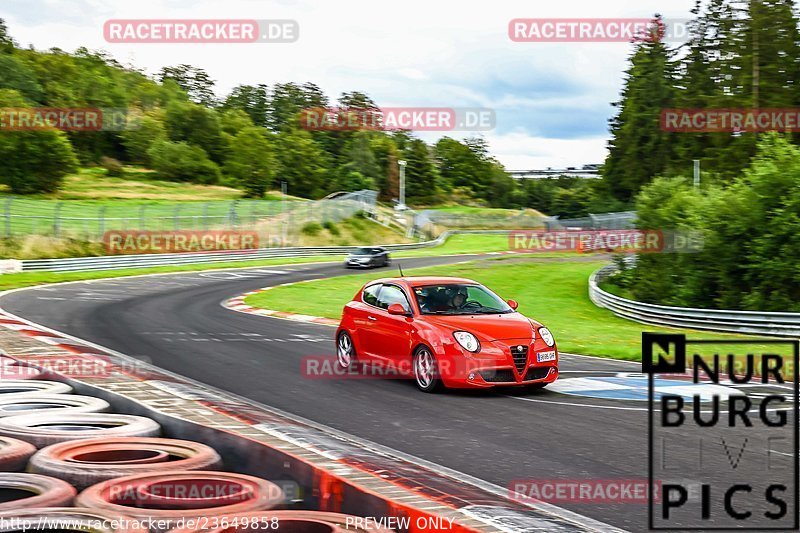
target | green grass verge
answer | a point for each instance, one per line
(554, 292)
(456, 244)
(472, 210)
(462, 244)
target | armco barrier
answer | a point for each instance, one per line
(115, 262)
(328, 471)
(752, 322)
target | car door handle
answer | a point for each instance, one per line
(372, 318)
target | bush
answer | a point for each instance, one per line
(355, 223)
(35, 161)
(311, 229)
(140, 137)
(113, 167)
(751, 237)
(178, 161)
(332, 229)
(251, 162)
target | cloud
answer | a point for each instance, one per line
(552, 100)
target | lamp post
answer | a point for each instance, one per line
(402, 205)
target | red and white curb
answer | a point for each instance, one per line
(48, 337)
(237, 304)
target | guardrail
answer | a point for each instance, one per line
(751, 322)
(116, 262)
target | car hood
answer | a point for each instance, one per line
(489, 327)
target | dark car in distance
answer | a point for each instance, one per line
(367, 257)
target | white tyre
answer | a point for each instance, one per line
(43, 430)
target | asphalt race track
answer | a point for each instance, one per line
(176, 322)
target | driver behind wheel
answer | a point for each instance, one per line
(459, 299)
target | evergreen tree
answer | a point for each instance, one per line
(639, 148)
(421, 174)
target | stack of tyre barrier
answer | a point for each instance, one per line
(68, 463)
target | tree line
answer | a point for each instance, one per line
(744, 55)
(251, 139)
(740, 54)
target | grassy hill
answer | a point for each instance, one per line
(138, 186)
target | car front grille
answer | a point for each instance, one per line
(520, 355)
(498, 376)
(537, 373)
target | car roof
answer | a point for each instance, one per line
(419, 281)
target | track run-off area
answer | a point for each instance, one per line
(590, 425)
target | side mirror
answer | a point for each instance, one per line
(397, 309)
(513, 304)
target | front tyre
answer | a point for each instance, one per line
(345, 350)
(426, 371)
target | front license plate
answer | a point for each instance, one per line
(546, 356)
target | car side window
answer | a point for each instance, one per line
(390, 294)
(371, 294)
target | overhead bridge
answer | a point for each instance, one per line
(555, 173)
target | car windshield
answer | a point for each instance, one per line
(363, 251)
(458, 299)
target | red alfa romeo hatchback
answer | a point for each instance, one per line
(445, 331)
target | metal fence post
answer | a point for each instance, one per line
(7, 210)
(101, 215)
(57, 218)
(175, 220)
(205, 216)
(232, 215)
(142, 220)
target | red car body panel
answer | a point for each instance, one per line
(385, 339)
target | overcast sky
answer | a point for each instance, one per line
(552, 99)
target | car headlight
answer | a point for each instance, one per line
(546, 336)
(468, 341)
